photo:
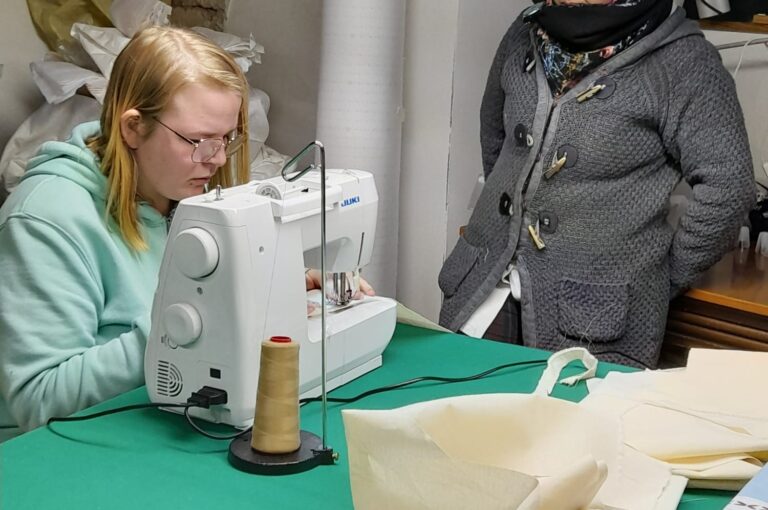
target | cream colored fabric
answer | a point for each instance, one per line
(407, 316)
(505, 451)
(560, 360)
(707, 421)
(633, 443)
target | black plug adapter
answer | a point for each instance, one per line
(206, 397)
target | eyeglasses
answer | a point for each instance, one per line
(206, 148)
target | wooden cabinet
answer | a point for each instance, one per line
(758, 25)
(726, 309)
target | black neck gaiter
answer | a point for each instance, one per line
(580, 28)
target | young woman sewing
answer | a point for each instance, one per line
(82, 237)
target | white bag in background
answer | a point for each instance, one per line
(266, 163)
(258, 125)
(102, 44)
(244, 52)
(130, 16)
(58, 81)
(49, 122)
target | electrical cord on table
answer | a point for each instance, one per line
(625, 355)
(208, 434)
(203, 398)
(211, 396)
(446, 380)
(114, 411)
(208, 396)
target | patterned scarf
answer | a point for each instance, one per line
(565, 67)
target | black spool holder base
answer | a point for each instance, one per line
(309, 455)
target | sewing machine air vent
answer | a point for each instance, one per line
(169, 382)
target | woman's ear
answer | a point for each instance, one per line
(131, 128)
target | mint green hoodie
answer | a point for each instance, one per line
(74, 299)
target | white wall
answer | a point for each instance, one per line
(290, 31)
(449, 49)
(430, 43)
(479, 34)
(19, 45)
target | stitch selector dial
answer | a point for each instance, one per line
(197, 253)
(182, 323)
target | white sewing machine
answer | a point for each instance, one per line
(233, 275)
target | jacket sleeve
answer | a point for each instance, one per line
(53, 357)
(705, 132)
(492, 107)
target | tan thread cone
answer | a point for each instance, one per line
(276, 422)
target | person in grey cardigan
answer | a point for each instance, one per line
(591, 115)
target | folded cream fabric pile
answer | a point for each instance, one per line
(633, 443)
(708, 421)
(502, 451)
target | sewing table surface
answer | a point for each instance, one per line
(148, 458)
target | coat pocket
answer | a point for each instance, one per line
(457, 266)
(592, 312)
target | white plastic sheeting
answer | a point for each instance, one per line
(359, 118)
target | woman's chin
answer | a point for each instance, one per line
(192, 190)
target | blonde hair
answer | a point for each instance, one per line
(155, 65)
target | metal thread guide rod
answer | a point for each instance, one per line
(290, 178)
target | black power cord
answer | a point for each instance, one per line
(208, 434)
(625, 355)
(204, 397)
(113, 411)
(446, 380)
(208, 396)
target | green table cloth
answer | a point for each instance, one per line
(151, 459)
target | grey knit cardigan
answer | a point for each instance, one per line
(591, 173)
